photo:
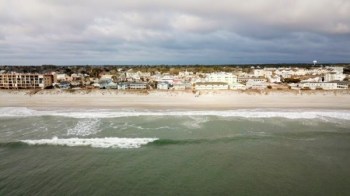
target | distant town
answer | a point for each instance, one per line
(177, 78)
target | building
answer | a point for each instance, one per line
(138, 85)
(25, 81)
(228, 78)
(123, 85)
(163, 86)
(107, 84)
(253, 79)
(251, 84)
(334, 76)
(179, 86)
(211, 86)
(319, 85)
(238, 86)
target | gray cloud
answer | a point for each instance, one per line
(174, 32)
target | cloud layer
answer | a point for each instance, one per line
(173, 32)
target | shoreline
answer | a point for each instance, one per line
(207, 100)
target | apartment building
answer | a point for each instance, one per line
(25, 81)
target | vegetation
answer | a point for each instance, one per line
(291, 80)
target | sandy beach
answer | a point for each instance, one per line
(173, 99)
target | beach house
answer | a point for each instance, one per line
(211, 86)
(163, 86)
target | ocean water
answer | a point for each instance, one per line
(56, 151)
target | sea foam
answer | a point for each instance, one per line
(244, 113)
(108, 142)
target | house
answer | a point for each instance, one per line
(228, 78)
(211, 86)
(238, 86)
(107, 84)
(138, 85)
(318, 85)
(64, 85)
(61, 77)
(252, 79)
(179, 86)
(252, 84)
(334, 76)
(123, 85)
(163, 86)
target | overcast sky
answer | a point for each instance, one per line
(174, 32)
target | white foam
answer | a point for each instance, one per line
(108, 142)
(85, 127)
(244, 113)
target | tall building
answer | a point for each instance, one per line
(25, 81)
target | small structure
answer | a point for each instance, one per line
(138, 85)
(211, 86)
(251, 84)
(64, 85)
(179, 86)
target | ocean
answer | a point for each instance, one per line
(55, 151)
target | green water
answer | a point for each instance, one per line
(195, 155)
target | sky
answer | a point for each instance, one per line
(64, 32)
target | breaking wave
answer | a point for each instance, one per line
(108, 142)
(243, 113)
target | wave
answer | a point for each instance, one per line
(108, 142)
(243, 113)
(85, 127)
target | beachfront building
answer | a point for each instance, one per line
(334, 76)
(211, 86)
(122, 85)
(251, 84)
(179, 86)
(163, 86)
(252, 79)
(238, 86)
(322, 85)
(25, 81)
(107, 84)
(138, 85)
(274, 79)
(228, 78)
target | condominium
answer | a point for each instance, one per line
(25, 81)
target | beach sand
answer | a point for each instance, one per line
(175, 99)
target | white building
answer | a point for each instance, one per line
(163, 86)
(238, 86)
(274, 79)
(138, 85)
(320, 85)
(167, 78)
(228, 78)
(336, 69)
(251, 84)
(258, 72)
(211, 86)
(185, 73)
(334, 76)
(179, 86)
(62, 77)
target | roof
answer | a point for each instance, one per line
(211, 83)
